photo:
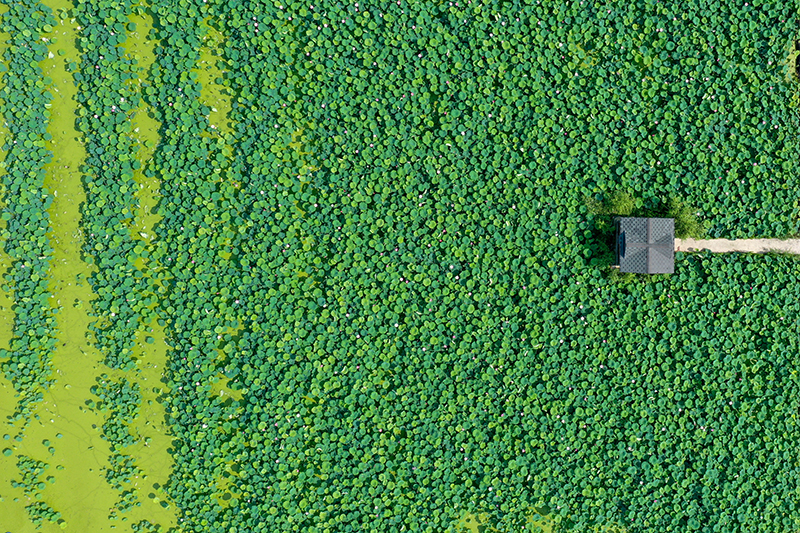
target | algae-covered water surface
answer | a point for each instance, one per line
(65, 430)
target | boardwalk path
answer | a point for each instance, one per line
(738, 245)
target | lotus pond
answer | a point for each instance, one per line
(275, 266)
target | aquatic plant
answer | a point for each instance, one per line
(392, 268)
(31, 485)
(24, 98)
(380, 289)
(109, 94)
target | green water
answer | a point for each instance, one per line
(211, 67)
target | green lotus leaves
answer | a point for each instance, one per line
(107, 219)
(30, 483)
(120, 400)
(24, 108)
(380, 288)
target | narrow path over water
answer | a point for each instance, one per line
(739, 245)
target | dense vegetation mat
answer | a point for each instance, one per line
(393, 265)
(382, 287)
(24, 99)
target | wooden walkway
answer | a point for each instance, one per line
(738, 245)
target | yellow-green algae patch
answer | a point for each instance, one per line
(209, 69)
(144, 129)
(6, 302)
(72, 431)
(221, 390)
(218, 386)
(150, 453)
(154, 438)
(790, 64)
(478, 523)
(299, 145)
(12, 500)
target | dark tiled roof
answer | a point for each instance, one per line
(646, 245)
